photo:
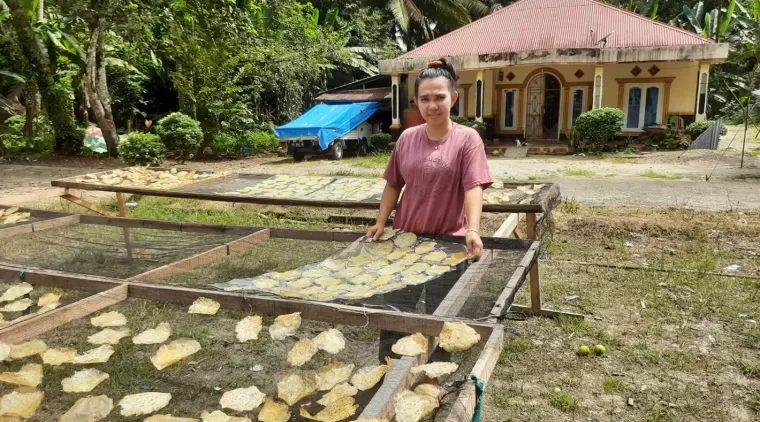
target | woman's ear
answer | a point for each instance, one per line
(415, 102)
(454, 97)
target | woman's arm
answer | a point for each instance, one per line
(473, 208)
(390, 198)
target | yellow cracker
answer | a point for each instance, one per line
(412, 345)
(455, 258)
(366, 377)
(436, 256)
(242, 399)
(30, 375)
(169, 418)
(316, 272)
(59, 356)
(410, 258)
(331, 341)
(287, 276)
(108, 336)
(30, 348)
(435, 369)
(285, 326)
(274, 411)
(437, 270)
(17, 306)
(219, 416)
(248, 328)
(340, 409)
(431, 390)
(383, 279)
(157, 335)
(340, 390)
(413, 280)
(405, 240)
(83, 381)
(416, 268)
(109, 319)
(294, 387)
(458, 336)
(332, 374)
(387, 234)
(48, 298)
(171, 353)
(265, 283)
(97, 355)
(302, 352)
(412, 407)
(204, 306)
(376, 265)
(16, 291)
(359, 294)
(143, 403)
(349, 272)
(299, 284)
(362, 279)
(327, 281)
(360, 260)
(89, 409)
(424, 248)
(21, 404)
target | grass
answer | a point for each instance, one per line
(578, 172)
(750, 369)
(349, 173)
(651, 174)
(563, 401)
(754, 152)
(500, 400)
(612, 385)
(746, 177)
(376, 160)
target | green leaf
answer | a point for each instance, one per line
(727, 19)
(756, 9)
(706, 29)
(12, 75)
(30, 8)
(73, 47)
(332, 16)
(114, 61)
(314, 19)
(399, 11)
(655, 8)
(693, 16)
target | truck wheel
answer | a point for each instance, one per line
(299, 156)
(363, 148)
(337, 151)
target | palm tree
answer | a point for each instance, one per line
(431, 17)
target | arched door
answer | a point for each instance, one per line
(544, 93)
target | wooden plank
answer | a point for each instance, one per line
(397, 379)
(36, 226)
(167, 225)
(326, 312)
(42, 323)
(123, 212)
(40, 213)
(547, 313)
(201, 259)
(508, 226)
(52, 278)
(31, 197)
(507, 295)
(89, 205)
(464, 406)
(535, 281)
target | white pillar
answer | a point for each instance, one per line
(480, 90)
(598, 86)
(395, 102)
(702, 84)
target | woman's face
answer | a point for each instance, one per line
(434, 99)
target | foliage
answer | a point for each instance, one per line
(381, 141)
(668, 140)
(261, 142)
(596, 127)
(181, 134)
(464, 121)
(15, 144)
(142, 149)
(251, 142)
(695, 129)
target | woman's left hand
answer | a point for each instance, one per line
(474, 245)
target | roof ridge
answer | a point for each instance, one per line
(645, 18)
(465, 26)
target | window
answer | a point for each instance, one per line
(643, 106)
(509, 116)
(702, 93)
(578, 98)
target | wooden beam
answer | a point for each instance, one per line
(89, 205)
(326, 312)
(53, 278)
(547, 313)
(37, 226)
(535, 282)
(31, 197)
(42, 323)
(181, 226)
(123, 212)
(507, 295)
(464, 406)
(202, 259)
(508, 227)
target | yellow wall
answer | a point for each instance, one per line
(683, 89)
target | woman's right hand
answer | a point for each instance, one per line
(375, 231)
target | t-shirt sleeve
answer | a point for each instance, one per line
(475, 170)
(393, 172)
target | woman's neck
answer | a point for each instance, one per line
(437, 133)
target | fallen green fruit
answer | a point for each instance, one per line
(584, 350)
(599, 349)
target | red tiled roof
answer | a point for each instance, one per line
(369, 94)
(555, 24)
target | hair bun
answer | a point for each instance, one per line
(436, 63)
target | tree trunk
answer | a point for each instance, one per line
(55, 99)
(40, 10)
(180, 94)
(97, 84)
(32, 107)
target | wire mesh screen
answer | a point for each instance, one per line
(710, 138)
(104, 250)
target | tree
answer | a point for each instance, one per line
(37, 62)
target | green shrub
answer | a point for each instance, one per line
(141, 149)
(227, 144)
(596, 127)
(695, 129)
(464, 121)
(380, 141)
(181, 134)
(261, 141)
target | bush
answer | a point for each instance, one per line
(596, 127)
(695, 129)
(261, 142)
(464, 121)
(181, 134)
(14, 142)
(380, 141)
(227, 145)
(142, 149)
(668, 140)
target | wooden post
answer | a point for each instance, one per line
(121, 198)
(535, 281)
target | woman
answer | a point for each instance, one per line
(442, 164)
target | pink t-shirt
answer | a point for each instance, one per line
(436, 176)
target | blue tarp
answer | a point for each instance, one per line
(328, 121)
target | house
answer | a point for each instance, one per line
(530, 69)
